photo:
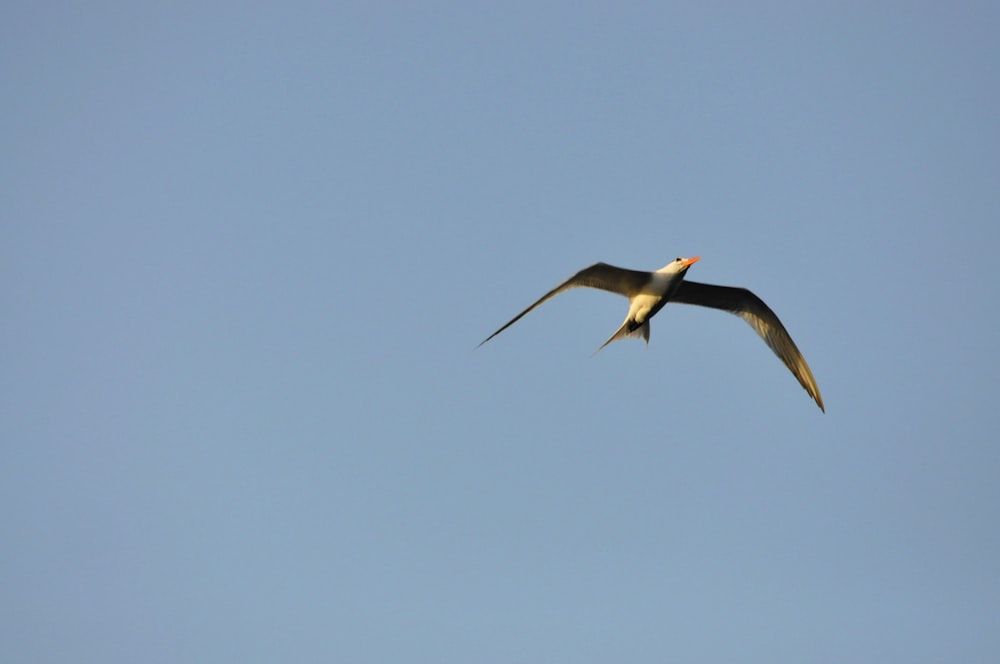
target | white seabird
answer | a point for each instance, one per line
(648, 292)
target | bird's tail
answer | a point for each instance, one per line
(625, 331)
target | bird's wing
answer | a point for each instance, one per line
(599, 275)
(752, 309)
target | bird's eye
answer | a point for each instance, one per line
(678, 259)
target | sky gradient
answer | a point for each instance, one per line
(247, 251)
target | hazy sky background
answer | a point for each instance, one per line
(247, 251)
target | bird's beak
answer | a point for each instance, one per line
(691, 261)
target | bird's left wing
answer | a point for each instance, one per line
(752, 309)
(599, 275)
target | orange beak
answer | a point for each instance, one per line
(691, 261)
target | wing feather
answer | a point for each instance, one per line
(599, 275)
(749, 307)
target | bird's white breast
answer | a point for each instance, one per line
(659, 286)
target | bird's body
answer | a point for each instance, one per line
(648, 292)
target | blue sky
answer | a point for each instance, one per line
(247, 251)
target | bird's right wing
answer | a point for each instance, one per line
(599, 275)
(752, 309)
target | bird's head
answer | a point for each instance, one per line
(679, 265)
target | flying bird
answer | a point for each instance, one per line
(648, 292)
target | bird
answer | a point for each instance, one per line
(648, 292)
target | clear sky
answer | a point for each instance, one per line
(247, 251)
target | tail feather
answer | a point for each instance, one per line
(625, 331)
